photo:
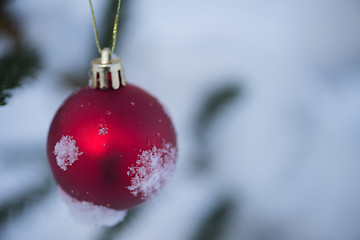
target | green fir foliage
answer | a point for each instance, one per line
(15, 68)
(214, 104)
(17, 207)
(214, 226)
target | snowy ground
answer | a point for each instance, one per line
(287, 151)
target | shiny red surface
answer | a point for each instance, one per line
(135, 122)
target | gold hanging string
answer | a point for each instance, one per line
(95, 28)
(114, 29)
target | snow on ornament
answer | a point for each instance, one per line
(110, 147)
(152, 170)
(90, 213)
(66, 152)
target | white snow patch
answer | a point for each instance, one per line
(103, 130)
(66, 152)
(152, 170)
(90, 213)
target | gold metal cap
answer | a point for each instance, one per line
(106, 72)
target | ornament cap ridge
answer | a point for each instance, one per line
(107, 72)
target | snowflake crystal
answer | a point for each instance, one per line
(66, 152)
(103, 129)
(152, 170)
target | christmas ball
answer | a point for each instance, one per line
(111, 148)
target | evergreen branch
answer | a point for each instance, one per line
(214, 226)
(212, 108)
(17, 206)
(214, 104)
(15, 67)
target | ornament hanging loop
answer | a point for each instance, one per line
(107, 72)
(105, 56)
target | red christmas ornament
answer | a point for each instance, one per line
(112, 148)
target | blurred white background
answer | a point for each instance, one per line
(286, 151)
